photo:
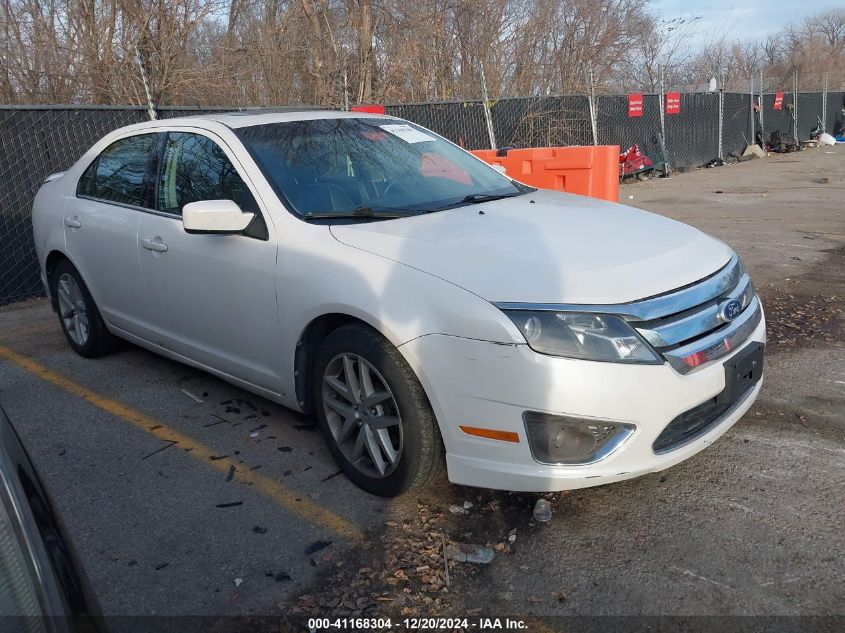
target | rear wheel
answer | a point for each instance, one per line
(80, 320)
(374, 414)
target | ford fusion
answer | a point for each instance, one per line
(427, 309)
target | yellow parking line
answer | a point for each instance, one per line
(292, 501)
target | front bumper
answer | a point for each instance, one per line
(488, 385)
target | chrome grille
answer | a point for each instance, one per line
(692, 330)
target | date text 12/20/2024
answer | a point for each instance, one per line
(417, 624)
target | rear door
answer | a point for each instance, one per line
(213, 297)
(101, 229)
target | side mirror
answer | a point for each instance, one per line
(215, 216)
(501, 169)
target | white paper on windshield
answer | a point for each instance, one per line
(406, 133)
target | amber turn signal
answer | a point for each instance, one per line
(491, 434)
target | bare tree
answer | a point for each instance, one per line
(328, 52)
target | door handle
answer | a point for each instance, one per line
(155, 245)
(73, 222)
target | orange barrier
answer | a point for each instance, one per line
(587, 171)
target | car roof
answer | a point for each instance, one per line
(246, 118)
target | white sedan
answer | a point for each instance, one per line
(425, 307)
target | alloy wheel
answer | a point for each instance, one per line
(362, 415)
(72, 308)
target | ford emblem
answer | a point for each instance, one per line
(730, 310)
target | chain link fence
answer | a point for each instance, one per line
(37, 141)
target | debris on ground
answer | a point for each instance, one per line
(193, 397)
(446, 577)
(542, 511)
(259, 530)
(231, 504)
(793, 320)
(754, 150)
(317, 546)
(238, 582)
(469, 553)
(463, 508)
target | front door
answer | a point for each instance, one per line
(212, 297)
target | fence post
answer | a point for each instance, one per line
(753, 138)
(721, 118)
(824, 103)
(795, 105)
(662, 101)
(762, 126)
(592, 99)
(151, 111)
(487, 117)
(663, 144)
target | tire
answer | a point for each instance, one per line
(392, 393)
(78, 314)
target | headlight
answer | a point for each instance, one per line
(598, 337)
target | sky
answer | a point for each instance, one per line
(740, 18)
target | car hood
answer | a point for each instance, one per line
(546, 247)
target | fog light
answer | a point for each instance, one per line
(557, 439)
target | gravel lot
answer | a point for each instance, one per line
(170, 500)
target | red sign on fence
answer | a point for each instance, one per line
(635, 105)
(778, 101)
(673, 103)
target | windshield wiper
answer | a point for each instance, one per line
(477, 198)
(360, 213)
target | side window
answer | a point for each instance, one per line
(120, 173)
(195, 168)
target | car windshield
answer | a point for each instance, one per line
(369, 168)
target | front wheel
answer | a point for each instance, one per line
(374, 413)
